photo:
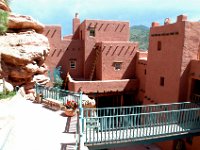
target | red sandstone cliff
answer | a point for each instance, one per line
(23, 51)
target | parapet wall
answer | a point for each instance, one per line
(108, 30)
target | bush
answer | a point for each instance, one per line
(7, 95)
(58, 81)
(3, 21)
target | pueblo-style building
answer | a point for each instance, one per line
(100, 59)
(104, 64)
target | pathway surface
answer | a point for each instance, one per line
(25, 125)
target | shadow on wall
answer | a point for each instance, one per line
(131, 68)
(72, 52)
(183, 90)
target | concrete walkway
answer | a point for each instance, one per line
(25, 125)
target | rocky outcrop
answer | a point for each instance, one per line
(4, 6)
(23, 51)
(23, 55)
(19, 23)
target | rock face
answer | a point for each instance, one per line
(23, 51)
(21, 22)
(4, 6)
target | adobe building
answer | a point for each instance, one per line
(104, 64)
(99, 58)
(173, 69)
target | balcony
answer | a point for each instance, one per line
(103, 86)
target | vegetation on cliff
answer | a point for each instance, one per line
(3, 19)
(140, 34)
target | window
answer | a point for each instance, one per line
(117, 65)
(72, 64)
(145, 71)
(162, 81)
(159, 45)
(92, 32)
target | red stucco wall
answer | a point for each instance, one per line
(165, 62)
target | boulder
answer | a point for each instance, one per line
(23, 56)
(23, 51)
(41, 79)
(18, 22)
(8, 86)
(4, 6)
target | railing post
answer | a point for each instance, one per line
(81, 124)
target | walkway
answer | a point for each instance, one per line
(108, 127)
(24, 125)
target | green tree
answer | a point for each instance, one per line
(57, 78)
(3, 19)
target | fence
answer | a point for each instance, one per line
(57, 94)
(64, 96)
(125, 124)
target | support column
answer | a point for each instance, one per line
(81, 125)
(122, 100)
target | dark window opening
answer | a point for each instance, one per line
(162, 81)
(145, 71)
(72, 64)
(92, 32)
(118, 66)
(159, 45)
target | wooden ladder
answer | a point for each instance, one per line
(94, 63)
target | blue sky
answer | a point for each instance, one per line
(135, 11)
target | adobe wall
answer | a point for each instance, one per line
(104, 31)
(53, 33)
(125, 85)
(141, 72)
(194, 73)
(62, 51)
(72, 51)
(108, 30)
(117, 52)
(190, 52)
(165, 62)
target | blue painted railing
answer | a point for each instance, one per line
(139, 123)
(57, 93)
(64, 96)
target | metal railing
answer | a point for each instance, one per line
(64, 96)
(129, 124)
(57, 94)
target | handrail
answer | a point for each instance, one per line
(160, 112)
(119, 128)
(142, 106)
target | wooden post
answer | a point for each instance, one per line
(122, 100)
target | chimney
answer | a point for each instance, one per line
(167, 21)
(181, 18)
(76, 23)
(155, 24)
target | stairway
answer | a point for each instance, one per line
(97, 49)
